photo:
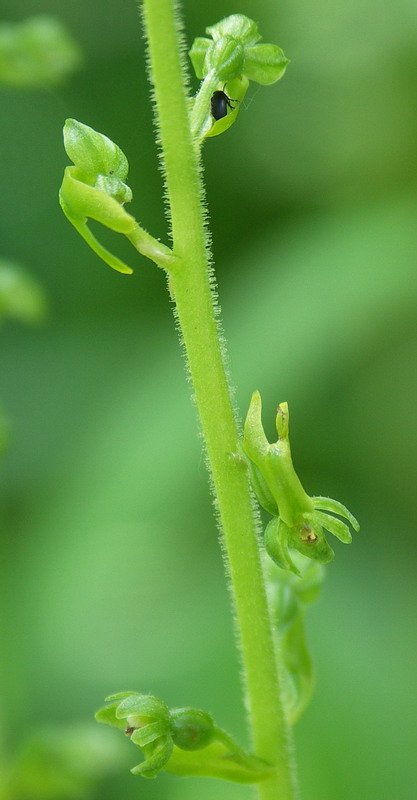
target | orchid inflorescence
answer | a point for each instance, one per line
(94, 186)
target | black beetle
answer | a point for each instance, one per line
(220, 102)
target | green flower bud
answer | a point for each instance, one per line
(224, 57)
(240, 27)
(191, 728)
(93, 152)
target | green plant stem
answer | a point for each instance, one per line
(192, 290)
(198, 115)
(150, 247)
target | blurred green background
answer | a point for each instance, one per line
(111, 573)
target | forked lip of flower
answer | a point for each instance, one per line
(81, 200)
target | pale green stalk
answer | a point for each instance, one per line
(202, 103)
(192, 290)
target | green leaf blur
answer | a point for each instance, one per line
(111, 574)
(35, 52)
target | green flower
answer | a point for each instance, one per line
(226, 63)
(94, 187)
(299, 521)
(233, 51)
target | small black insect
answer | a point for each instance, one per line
(220, 102)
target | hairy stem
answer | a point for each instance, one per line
(192, 290)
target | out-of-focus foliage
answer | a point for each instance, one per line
(4, 426)
(113, 571)
(289, 597)
(66, 763)
(21, 297)
(36, 52)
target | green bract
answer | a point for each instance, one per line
(184, 741)
(235, 89)
(198, 55)
(299, 521)
(94, 187)
(265, 63)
